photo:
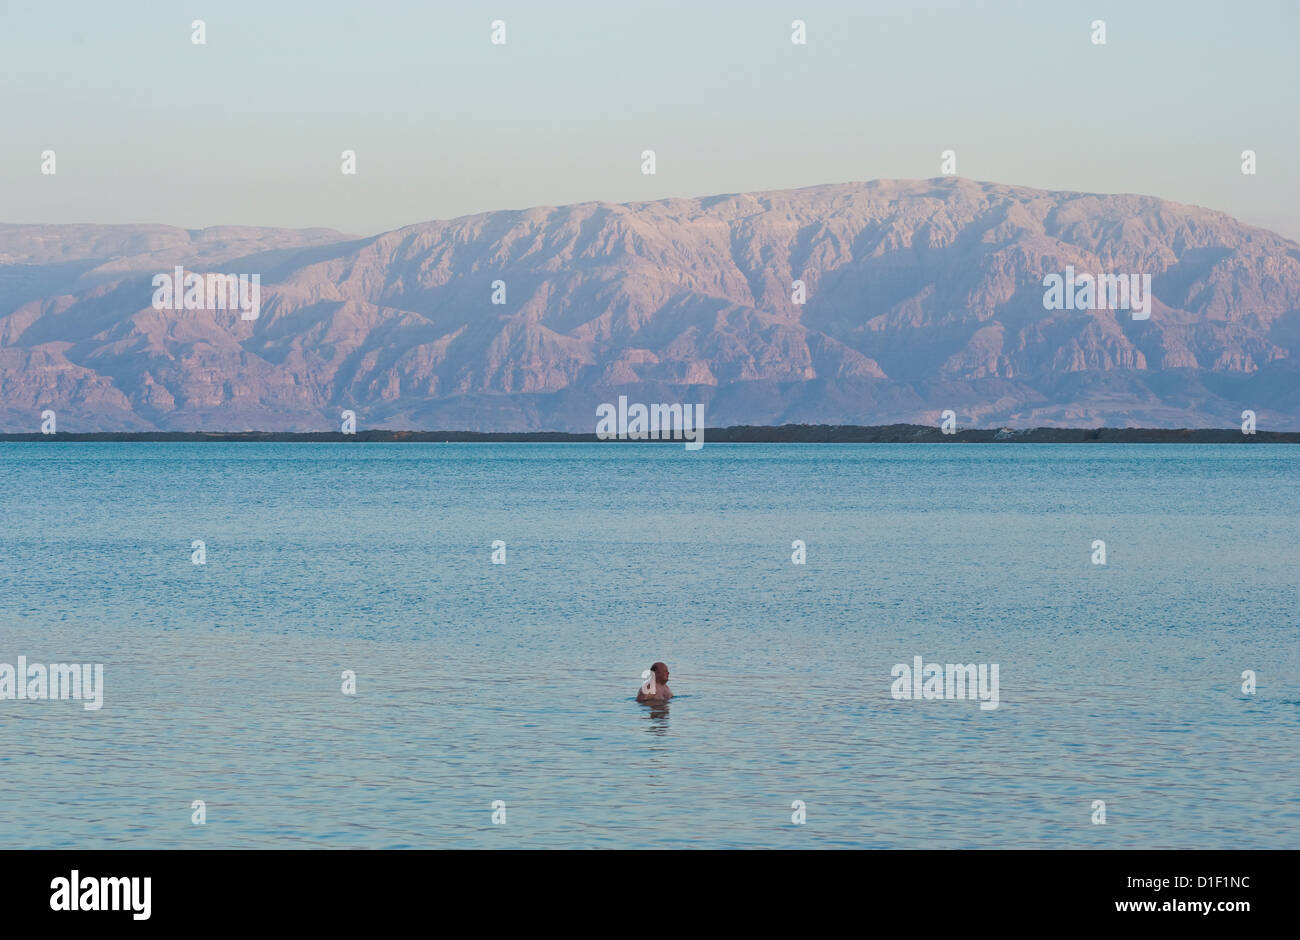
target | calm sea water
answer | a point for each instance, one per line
(479, 682)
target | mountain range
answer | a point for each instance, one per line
(919, 296)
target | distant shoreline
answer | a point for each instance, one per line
(742, 434)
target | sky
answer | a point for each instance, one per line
(249, 128)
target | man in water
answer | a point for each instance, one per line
(655, 688)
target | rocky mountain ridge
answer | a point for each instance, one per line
(919, 296)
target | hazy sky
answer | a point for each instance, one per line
(248, 129)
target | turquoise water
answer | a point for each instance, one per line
(479, 682)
